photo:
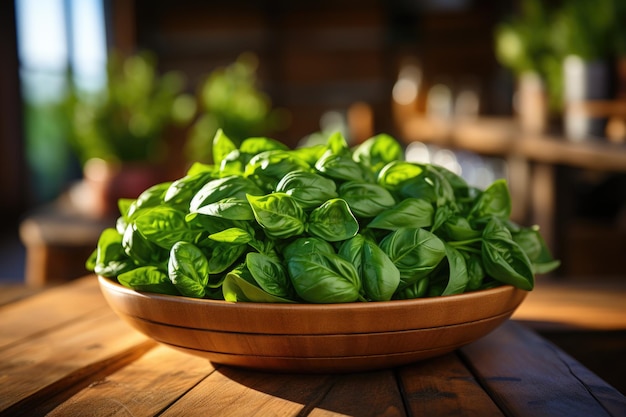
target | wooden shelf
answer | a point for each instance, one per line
(503, 137)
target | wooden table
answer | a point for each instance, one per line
(63, 352)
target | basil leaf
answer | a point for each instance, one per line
(429, 185)
(324, 278)
(140, 249)
(181, 191)
(415, 252)
(339, 165)
(379, 275)
(164, 226)
(219, 189)
(378, 151)
(459, 185)
(503, 259)
(457, 228)
(232, 235)
(270, 274)
(310, 154)
(333, 221)
(222, 146)
(536, 249)
(188, 269)
(257, 145)
(236, 288)
(151, 197)
(458, 275)
(495, 201)
(200, 222)
(411, 212)
(111, 259)
(307, 188)
(306, 246)
(396, 173)
(222, 254)
(475, 271)
(228, 208)
(269, 167)
(366, 200)
(416, 290)
(278, 214)
(149, 279)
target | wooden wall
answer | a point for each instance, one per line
(316, 56)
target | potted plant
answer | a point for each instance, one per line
(590, 36)
(522, 45)
(119, 133)
(230, 98)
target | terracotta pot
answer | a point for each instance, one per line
(531, 103)
(104, 183)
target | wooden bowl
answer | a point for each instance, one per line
(313, 337)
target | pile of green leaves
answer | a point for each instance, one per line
(318, 224)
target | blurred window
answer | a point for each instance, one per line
(60, 43)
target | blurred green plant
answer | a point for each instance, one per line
(126, 121)
(520, 41)
(592, 30)
(522, 44)
(542, 34)
(230, 99)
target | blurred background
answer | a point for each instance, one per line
(101, 98)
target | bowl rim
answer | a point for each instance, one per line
(503, 289)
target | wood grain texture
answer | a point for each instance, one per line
(528, 376)
(374, 394)
(233, 392)
(442, 387)
(53, 361)
(10, 293)
(144, 387)
(52, 308)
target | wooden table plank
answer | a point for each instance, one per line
(528, 376)
(347, 398)
(442, 387)
(233, 392)
(10, 293)
(145, 387)
(50, 309)
(55, 361)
